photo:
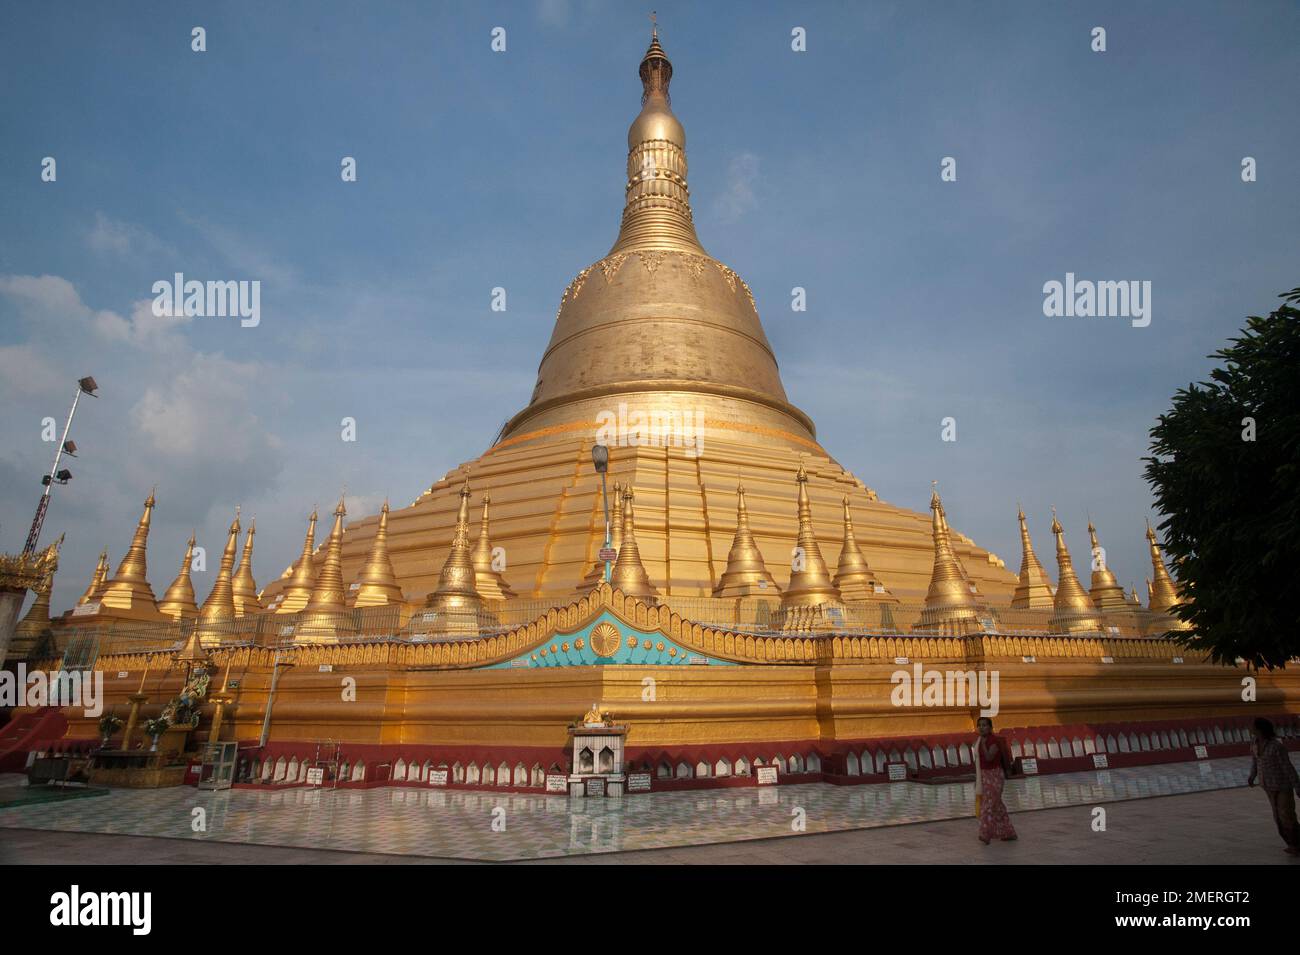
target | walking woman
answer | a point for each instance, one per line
(1279, 780)
(992, 767)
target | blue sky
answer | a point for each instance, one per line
(479, 169)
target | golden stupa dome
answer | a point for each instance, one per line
(659, 323)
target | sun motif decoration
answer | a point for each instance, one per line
(605, 639)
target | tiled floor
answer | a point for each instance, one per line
(466, 825)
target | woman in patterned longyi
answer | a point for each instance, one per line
(992, 767)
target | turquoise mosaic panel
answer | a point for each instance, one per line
(652, 649)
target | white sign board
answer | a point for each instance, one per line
(765, 775)
(897, 772)
(1029, 765)
(555, 783)
(1201, 752)
(698, 661)
(1107, 659)
(438, 777)
(325, 668)
(595, 787)
(315, 776)
(638, 782)
(1178, 659)
(121, 674)
(901, 661)
(1099, 761)
(1029, 659)
(86, 609)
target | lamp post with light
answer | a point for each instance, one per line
(600, 458)
(86, 386)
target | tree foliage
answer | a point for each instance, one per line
(1225, 469)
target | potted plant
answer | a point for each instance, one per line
(155, 728)
(108, 725)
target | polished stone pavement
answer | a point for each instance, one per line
(1218, 822)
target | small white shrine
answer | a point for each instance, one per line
(597, 756)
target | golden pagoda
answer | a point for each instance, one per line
(1162, 592)
(179, 600)
(456, 604)
(1106, 593)
(1073, 609)
(853, 578)
(1034, 589)
(326, 616)
(810, 582)
(628, 573)
(127, 593)
(661, 345)
(746, 574)
(376, 586)
(97, 580)
(490, 582)
(243, 586)
(951, 607)
(218, 610)
(297, 587)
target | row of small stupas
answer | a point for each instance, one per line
(469, 583)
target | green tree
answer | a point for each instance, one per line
(1225, 468)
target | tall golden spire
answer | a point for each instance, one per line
(657, 214)
(1035, 588)
(746, 574)
(490, 583)
(129, 589)
(35, 625)
(218, 610)
(456, 600)
(810, 582)
(1073, 609)
(243, 585)
(1105, 591)
(326, 615)
(303, 581)
(950, 606)
(853, 577)
(628, 573)
(377, 583)
(97, 580)
(179, 601)
(1162, 592)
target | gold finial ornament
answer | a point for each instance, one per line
(1073, 609)
(1105, 591)
(127, 593)
(490, 583)
(97, 580)
(628, 573)
(179, 600)
(218, 610)
(303, 578)
(1161, 590)
(746, 574)
(810, 582)
(326, 616)
(243, 586)
(950, 606)
(456, 601)
(377, 584)
(1035, 587)
(853, 577)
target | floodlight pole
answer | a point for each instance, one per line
(38, 521)
(600, 458)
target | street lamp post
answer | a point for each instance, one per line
(87, 386)
(600, 458)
